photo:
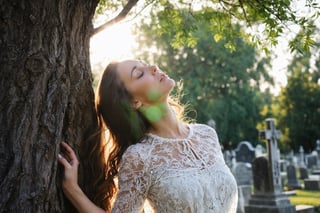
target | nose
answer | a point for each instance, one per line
(153, 70)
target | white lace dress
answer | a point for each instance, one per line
(177, 175)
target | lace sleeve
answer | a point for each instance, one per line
(133, 183)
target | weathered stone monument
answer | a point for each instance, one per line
(301, 157)
(245, 152)
(293, 182)
(303, 173)
(259, 150)
(268, 196)
(318, 146)
(242, 170)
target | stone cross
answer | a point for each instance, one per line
(271, 134)
(301, 157)
(268, 196)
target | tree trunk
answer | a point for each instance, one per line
(45, 97)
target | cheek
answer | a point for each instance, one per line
(142, 89)
(149, 93)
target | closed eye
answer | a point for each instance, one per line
(141, 74)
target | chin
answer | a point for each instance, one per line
(173, 82)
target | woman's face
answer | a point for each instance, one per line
(146, 83)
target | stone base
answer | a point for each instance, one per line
(270, 209)
(316, 172)
(293, 185)
(290, 193)
(269, 204)
(311, 184)
(304, 209)
(244, 193)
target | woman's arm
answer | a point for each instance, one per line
(133, 180)
(70, 182)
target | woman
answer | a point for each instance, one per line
(175, 166)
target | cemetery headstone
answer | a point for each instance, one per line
(268, 195)
(243, 174)
(293, 182)
(283, 165)
(245, 152)
(212, 123)
(301, 157)
(283, 170)
(290, 156)
(259, 150)
(318, 146)
(233, 159)
(244, 193)
(312, 184)
(303, 173)
(312, 161)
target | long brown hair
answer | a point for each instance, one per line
(124, 126)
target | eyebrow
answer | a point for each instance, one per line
(133, 68)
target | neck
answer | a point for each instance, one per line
(169, 126)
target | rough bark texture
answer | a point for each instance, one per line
(45, 97)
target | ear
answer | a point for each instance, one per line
(137, 104)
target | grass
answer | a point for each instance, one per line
(304, 197)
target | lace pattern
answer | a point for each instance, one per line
(177, 175)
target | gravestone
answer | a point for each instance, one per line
(233, 159)
(212, 123)
(283, 170)
(303, 173)
(243, 175)
(293, 182)
(318, 146)
(292, 158)
(244, 193)
(312, 161)
(245, 152)
(301, 157)
(259, 150)
(312, 184)
(268, 195)
(283, 165)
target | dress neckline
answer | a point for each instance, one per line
(157, 137)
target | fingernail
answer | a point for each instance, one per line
(60, 156)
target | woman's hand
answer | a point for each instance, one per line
(70, 163)
(70, 182)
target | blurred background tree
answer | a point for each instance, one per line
(218, 83)
(299, 102)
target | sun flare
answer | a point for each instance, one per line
(113, 43)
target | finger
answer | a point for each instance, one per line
(63, 161)
(66, 146)
(71, 154)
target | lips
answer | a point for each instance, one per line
(163, 77)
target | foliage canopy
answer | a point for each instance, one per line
(219, 84)
(266, 21)
(299, 102)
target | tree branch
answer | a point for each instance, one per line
(244, 12)
(118, 18)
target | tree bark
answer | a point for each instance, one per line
(45, 97)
